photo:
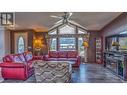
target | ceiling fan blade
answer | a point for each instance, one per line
(70, 14)
(56, 17)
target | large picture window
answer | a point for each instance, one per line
(67, 44)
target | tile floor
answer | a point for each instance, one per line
(87, 73)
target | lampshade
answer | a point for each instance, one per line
(85, 44)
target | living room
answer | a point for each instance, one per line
(67, 47)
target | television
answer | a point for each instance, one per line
(123, 43)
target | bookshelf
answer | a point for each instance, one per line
(99, 48)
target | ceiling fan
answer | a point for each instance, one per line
(64, 18)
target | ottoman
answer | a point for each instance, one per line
(52, 71)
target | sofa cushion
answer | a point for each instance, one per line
(72, 54)
(62, 54)
(53, 54)
(16, 58)
(8, 58)
(28, 56)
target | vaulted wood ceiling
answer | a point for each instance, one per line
(90, 20)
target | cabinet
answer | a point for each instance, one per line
(116, 62)
(99, 47)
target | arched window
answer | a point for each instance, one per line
(21, 45)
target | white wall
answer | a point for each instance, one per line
(2, 47)
(4, 42)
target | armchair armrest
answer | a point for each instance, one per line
(12, 65)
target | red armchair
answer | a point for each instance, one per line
(64, 56)
(18, 66)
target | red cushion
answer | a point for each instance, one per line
(53, 54)
(72, 54)
(8, 58)
(62, 54)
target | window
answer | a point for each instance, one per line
(80, 47)
(21, 47)
(67, 30)
(67, 44)
(53, 44)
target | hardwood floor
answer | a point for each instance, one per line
(87, 73)
(94, 73)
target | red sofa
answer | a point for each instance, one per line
(18, 66)
(64, 56)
